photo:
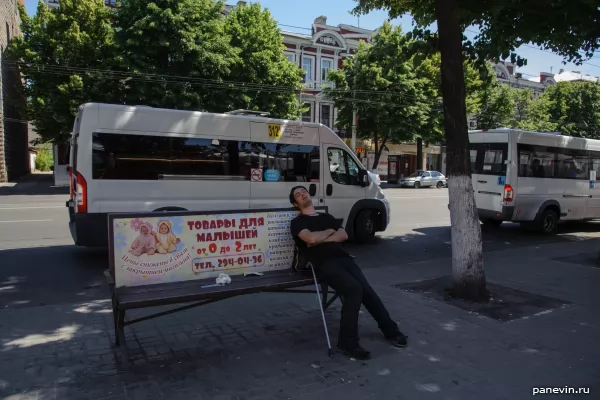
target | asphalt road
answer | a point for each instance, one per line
(39, 264)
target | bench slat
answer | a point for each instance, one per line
(180, 292)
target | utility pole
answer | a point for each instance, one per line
(354, 105)
(3, 171)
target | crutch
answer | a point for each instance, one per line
(321, 308)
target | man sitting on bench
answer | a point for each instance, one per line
(320, 236)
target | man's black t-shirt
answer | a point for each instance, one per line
(316, 223)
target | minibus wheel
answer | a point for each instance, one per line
(365, 226)
(548, 222)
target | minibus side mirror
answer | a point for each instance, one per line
(363, 178)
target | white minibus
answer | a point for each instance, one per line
(142, 159)
(536, 179)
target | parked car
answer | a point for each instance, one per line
(424, 179)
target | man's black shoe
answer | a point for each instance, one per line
(398, 340)
(357, 352)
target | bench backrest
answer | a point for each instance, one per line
(153, 248)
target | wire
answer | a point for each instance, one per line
(68, 71)
(43, 68)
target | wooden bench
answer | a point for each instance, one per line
(204, 291)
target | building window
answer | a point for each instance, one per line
(7, 33)
(326, 115)
(307, 115)
(291, 58)
(307, 66)
(326, 65)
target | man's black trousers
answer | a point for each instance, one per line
(347, 279)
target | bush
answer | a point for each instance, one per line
(44, 161)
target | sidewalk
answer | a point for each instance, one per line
(38, 183)
(271, 346)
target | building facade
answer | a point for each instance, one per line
(14, 144)
(317, 51)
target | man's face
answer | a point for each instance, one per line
(302, 198)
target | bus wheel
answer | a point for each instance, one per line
(548, 222)
(364, 226)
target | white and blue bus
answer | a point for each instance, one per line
(536, 179)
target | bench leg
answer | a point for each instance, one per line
(120, 328)
(322, 312)
(115, 311)
(334, 298)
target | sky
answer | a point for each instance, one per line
(303, 13)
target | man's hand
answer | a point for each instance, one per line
(339, 236)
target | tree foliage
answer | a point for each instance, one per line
(261, 61)
(497, 106)
(574, 108)
(391, 101)
(567, 27)
(58, 55)
(181, 54)
(476, 86)
(176, 51)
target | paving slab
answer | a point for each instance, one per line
(271, 346)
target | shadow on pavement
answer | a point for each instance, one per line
(428, 243)
(36, 184)
(38, 276)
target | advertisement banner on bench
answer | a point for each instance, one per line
(173, 247)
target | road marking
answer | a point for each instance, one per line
(29, 220)
(30, 208)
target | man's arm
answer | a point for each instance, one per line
(314, 238)
(339, 236)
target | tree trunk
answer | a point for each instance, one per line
(378, 150)
(467, 257)
(419, 154)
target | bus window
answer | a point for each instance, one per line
(535, 162)
(488, 158)
(571, 166)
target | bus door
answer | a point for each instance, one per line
(488, 171)
(593, 207)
